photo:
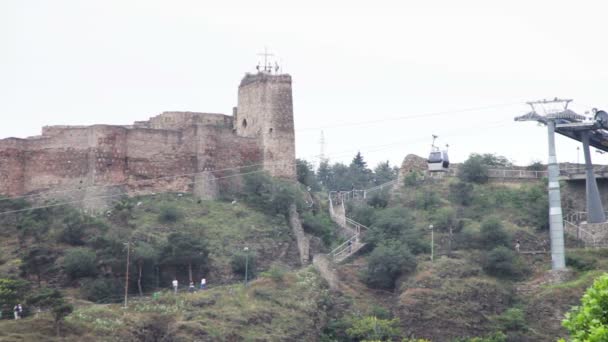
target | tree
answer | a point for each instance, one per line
(444, 218)
(324, 173)
(474, 169)
(306, 174)
(386, 263)
(492, 160)
(383, 173)
(183, 249)
(52, 299)
(244, 261)
(536, 165)
(12, 291)
(589, 321)
(38, 260)
(169, 214)
(143, 254)
(80, 262)
(359, 173)
(461, 193)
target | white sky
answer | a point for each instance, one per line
(116, 61)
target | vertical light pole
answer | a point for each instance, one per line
(127, 274)
(578, 150)
(432, 242)
(246, 249)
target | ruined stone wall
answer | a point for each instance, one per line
(173, 151)
(180, 120)
(265, 111)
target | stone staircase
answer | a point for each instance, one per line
(351, 230)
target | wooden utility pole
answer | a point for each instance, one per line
(127, 274)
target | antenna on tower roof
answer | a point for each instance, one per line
(267, 66)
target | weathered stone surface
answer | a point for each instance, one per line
(173, 151)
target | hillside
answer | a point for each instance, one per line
(476, 286)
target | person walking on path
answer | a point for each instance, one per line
(203, 283)
(175, 283)
(191, 287)
(350, 246)
(517, 245)
(17, 310)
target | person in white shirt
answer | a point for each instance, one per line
(203, 283)
(175, 283)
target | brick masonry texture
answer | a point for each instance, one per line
(173, 151)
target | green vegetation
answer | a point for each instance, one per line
(387, 262)
(371, 328)
(589, 322)
(80, 262)
(476, 288)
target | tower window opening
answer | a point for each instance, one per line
(270, 130)
(244, 123)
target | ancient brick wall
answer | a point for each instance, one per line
(173, 151)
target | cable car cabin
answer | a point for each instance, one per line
(438, 161)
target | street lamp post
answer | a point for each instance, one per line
(127, 273)
(432, 242)
(246, 249)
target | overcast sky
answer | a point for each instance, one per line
(357, 68)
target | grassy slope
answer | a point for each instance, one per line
(226, 227)
(269, 309)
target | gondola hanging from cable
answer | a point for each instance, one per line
(438, 160)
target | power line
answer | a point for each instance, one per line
(100, 186)
(413, 116)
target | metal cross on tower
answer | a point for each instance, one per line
(266, 54)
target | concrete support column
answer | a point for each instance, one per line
(595, 210)
(556, 222)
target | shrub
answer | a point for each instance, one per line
(580, 262)
(444, 218)
(474, 170)
(589, 322)
(169, 214)
(461, 193)
(379, 199)
(80, 262)
(389, 225)
(318, 225)
(396, 225)
(502, 262)
(273, 196)
(427, 200)
(371, 328)
(492, 234)
(242, 261)
(102, 290)
(514, 319)
(386, 263)
(413, 178)
(276, 272)
(362, 213)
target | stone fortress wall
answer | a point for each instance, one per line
(95, 163)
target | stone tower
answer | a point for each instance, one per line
(265, 112)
